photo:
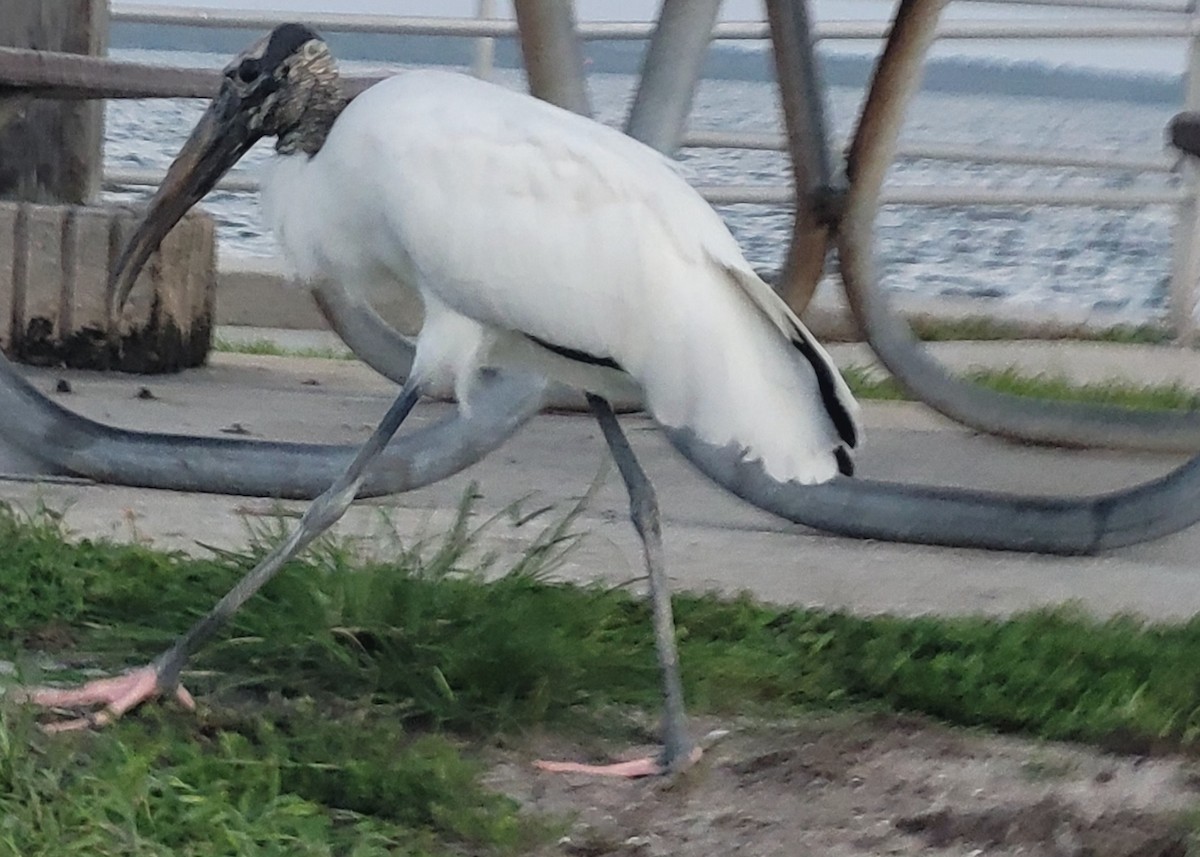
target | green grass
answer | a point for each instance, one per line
(868, 384)
(344, 708)
(298, 781)
(270, 348)
(985, 328)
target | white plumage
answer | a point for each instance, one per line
(537, 239)
(517, 221)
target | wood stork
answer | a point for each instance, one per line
(537, 239)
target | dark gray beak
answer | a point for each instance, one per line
(222, 136)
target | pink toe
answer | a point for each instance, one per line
(76, 725)
(646, 767)
(117, 695)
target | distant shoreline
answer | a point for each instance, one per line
(953, 75)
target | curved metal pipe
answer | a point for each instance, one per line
(69, 443)
(959, 517)
(390, 353)
(1064, 424)
(803, 105)
(671, 70)
(552, 54)
(556, 75)
(373, 341)
(858, 508)
(66, 442)
(923, 514)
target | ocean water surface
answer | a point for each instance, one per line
(1113, 259)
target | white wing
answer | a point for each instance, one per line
(528, 218)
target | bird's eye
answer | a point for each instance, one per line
(247, 72)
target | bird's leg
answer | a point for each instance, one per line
(161, 676)
(679, 751)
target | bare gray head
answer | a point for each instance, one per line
(288, 86)
(285, 85)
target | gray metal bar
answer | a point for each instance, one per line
(485, 48)
(1185, 237)
(860, 508)
(552, 52)
(959, 517)
(370, 337)
(808, 146)
(671, 71)
(1055, 423)
(869, 509)
(714, 139)
(51, 74)
(74, 75)
(1160, 26)
(919, 513)
(803, 97)
(390, 353)
(554, 62)
(67, 443)
(1168, 7)
(1130, 197)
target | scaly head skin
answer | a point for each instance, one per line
(285, 85)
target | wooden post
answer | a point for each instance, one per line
(56, 248)
(1185, 260)
(51, 151)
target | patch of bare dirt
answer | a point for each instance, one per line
(867, 786)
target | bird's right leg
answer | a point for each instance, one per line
(679, 750)
(161, 676)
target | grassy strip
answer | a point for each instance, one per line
(297, 781)
(980, 328)
(459, 652)
(868, 384)
(270, 348)
(333, 700)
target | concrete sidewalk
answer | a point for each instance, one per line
(1081, 362)
(713, 540)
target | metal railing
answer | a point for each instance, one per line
(1140, 19)
(1168, 26)
(730, 194)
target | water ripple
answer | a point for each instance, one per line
(1104, 258)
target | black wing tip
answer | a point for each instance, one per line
(843, 421)
(844, 462)
(847, 429)
(575, 354)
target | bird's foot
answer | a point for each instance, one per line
(116, 695)
(647, 766)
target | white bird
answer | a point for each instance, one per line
(537, 239)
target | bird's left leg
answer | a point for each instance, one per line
(161, 676)
(679, 751)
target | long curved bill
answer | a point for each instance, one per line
(224, 133)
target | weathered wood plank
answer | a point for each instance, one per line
(10, 231)
(86, 304)
(44, 250)
(51, 151)
(68, 76)
(54, 291)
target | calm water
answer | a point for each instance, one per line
(1108, 258)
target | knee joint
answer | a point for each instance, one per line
(328, 509)
(643, 511)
